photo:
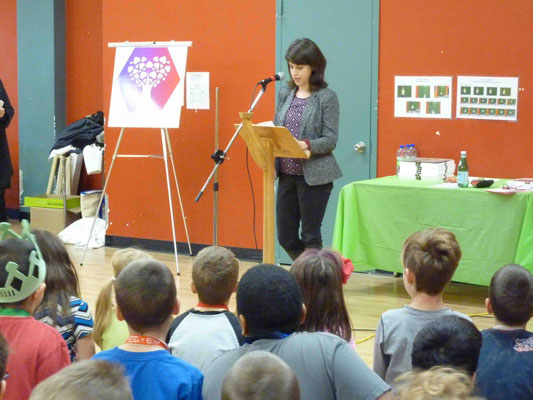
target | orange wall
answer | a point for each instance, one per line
(84, 79)
(8, 74)
(235, 42)
(450, 38)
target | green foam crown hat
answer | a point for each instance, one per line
(26, 284)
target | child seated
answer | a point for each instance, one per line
(437, 383)
(4, 353)
(109, 332)
(320, 275)
(62, 307)
(505, 368)
(429, 259)
(448, 341)
(37, 350)
(145, 292)
(260, 375)
(270, 308)
(203, 332)
(85, 380)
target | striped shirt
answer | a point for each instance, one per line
(72, 327)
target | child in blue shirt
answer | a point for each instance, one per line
(505, 367)
(146, 299)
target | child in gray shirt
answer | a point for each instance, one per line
(430, 259)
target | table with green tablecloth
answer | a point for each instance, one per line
(375, 216)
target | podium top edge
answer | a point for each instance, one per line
(149, 44)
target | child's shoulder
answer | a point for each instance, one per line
(397, 313)
(39, 328)
(178, 368)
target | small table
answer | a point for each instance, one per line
(375, 216)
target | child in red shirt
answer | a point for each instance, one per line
(37, 350)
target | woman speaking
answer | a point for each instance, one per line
(310, 111)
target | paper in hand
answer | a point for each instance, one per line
(1, 103)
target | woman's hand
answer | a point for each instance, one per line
(2, 112)
(302, 144)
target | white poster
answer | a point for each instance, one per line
(481, 97)
(198, 90)
(148, 84)
(423, 96)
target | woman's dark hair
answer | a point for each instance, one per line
(319, 274)
(61, 277)
(306, 52)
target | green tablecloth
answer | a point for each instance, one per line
(375, 216)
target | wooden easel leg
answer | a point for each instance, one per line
(60, 187)
(165, 157)
(52, 175)
(68, 176)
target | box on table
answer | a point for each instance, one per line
(46, 211)
(52, 201)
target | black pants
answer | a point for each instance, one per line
(299, 202)
(3, 212)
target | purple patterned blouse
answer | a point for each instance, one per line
(293, 122)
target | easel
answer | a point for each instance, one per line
(167, 151)
(265, 144)
(147, 65)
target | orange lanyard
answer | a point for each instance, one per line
(146, 341)
(203, 305)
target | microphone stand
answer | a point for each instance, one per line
(219, 156)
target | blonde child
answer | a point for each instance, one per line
(108, 330)
(437, 383)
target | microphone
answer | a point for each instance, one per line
(277, 77)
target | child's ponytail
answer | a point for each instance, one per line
(104, 311)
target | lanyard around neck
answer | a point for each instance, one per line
(270, 335)
(203, 305)
(146, 341)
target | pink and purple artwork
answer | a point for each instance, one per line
(148, 78)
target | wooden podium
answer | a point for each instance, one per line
(265, 144)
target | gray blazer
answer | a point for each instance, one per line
(320, 124)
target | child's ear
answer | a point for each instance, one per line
(304, 314)
(193, 288)
(235, 288)
(488, 305)
(176, 308)
(35, 299)
(120, 317)
(242, 320)
(409, 275)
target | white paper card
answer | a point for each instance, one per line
(481, 97)
(423, 96)
(198, 90)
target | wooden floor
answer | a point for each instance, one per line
(367, 295)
